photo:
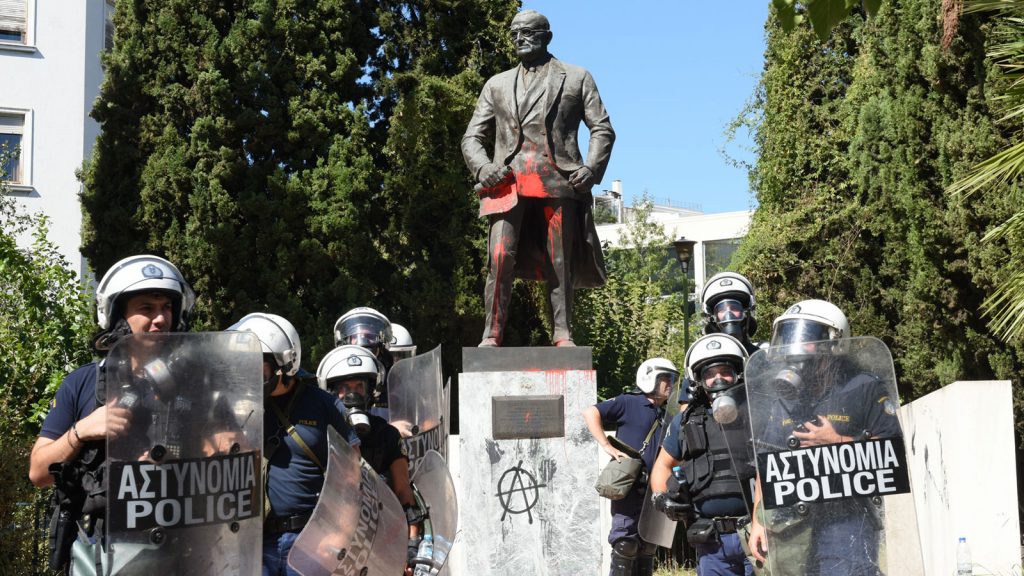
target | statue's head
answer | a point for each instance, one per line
(531, 34)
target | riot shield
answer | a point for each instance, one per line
(434, 484)
(830, 455)
(358, 527)
(654, 526)
(415, 399)
(185, 416)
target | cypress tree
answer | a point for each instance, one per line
(276, 150)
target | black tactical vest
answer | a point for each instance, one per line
(707, 463)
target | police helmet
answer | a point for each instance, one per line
(350, 361)
(648, 372)
(809, 321)
(732, 295)
(277, 337)
(364, 327)
(142, 274)
(402, 345)
(714, 350)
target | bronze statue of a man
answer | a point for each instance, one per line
(535, 190)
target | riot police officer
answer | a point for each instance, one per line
(295, 422)
(137, 295)
(728, 306)
(823, 398)
(704, 443)
(352, 373)
(638, 417)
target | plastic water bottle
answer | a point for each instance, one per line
(441, 549)
(964, 566)
(424, 556)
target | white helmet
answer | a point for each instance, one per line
(350, 361)
(808, 321)
(721, 288)
(277, 337)
(714, 349)
(364, 327)
(143, 273)
(402, 345)
(648, 372)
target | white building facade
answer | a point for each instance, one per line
(50, 59)
(716, 235)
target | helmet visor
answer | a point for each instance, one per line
(729, 310)
(356, 386)
(666, 376)
(722, 371)
(364, 331)
(794, 335)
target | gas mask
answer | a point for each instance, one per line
(271, 383)
(723, 406)
(357, 402)
(730, 316)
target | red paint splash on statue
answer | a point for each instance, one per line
(553, 217)
(502, 255)
(530, 180)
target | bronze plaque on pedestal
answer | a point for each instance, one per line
(515, 417)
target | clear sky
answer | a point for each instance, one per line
(673, 74)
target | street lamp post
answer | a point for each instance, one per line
(684, 254)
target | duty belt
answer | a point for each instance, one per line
(275, 525)
(729, 524)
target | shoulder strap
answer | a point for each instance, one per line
(283, 418)
(658, 421)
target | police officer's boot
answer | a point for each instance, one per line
(624, 553)
(644, 565)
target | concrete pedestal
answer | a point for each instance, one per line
(526, 499)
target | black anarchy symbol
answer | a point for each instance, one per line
(528, 489)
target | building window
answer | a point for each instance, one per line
(14, 21)
(108, 25)
(718, 255)
(12, 134)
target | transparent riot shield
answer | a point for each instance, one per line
(654, 526)
(358, 527)
(415, 398)
(434, 484)
(831, 460)
(185, 416)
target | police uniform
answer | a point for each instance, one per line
(633, 415)
(719, 486)
(294, 480)
(843, 535)
(381, 446)
(75, 399)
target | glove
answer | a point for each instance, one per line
(413, 549)
(674, 510)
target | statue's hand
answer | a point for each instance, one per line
(492, 174)
(582, 178)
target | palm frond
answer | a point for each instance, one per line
(1001, 169)
(1014, 224)
(1006, 308)
(971, 6)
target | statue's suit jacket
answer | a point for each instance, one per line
(571, 97)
